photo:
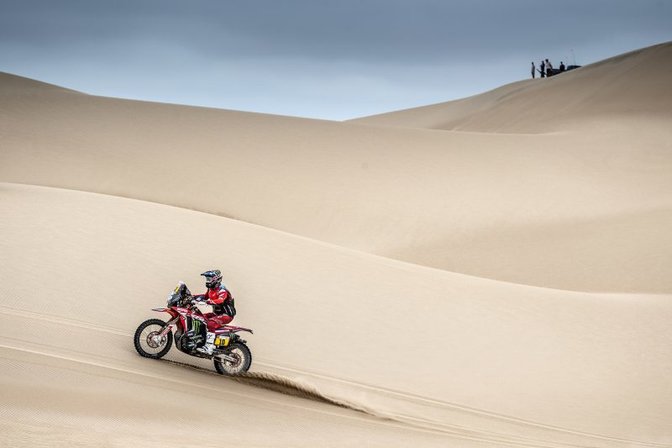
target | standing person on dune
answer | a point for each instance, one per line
(223, 307)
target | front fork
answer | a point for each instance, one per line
(169, 326)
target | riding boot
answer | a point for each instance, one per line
(209, 345)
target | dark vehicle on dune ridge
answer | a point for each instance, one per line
(557, 71)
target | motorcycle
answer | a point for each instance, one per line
(154, 337)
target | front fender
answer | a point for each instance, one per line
(173, 314)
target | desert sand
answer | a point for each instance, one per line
(493, 271)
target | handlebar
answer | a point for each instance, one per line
(194, 302)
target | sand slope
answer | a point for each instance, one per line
(539, 209)
(462, 356)
(393, 274)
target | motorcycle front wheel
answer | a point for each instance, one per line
(242, 360)
(148, 342)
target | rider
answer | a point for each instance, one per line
(222, 304)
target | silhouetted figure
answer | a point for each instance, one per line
(542, 70)
(533, 70)
(549, 69)
(562, 66)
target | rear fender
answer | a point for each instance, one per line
(233, 329)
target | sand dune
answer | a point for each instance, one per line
(631, 85)
(458, 355)
(463, 202)
(477, 273)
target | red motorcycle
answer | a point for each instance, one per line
(154, 337)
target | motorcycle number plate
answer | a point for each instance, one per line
(222, 341)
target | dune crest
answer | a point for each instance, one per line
(629, 85)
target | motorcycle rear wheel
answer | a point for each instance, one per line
(242, 364)
(146, 342)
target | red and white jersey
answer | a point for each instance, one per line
(221, 300)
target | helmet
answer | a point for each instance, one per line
(212, 278)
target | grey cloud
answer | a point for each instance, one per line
(249, 54)
(375, 30)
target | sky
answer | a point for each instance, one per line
(325, 59)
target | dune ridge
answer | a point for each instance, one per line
(627, 85)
